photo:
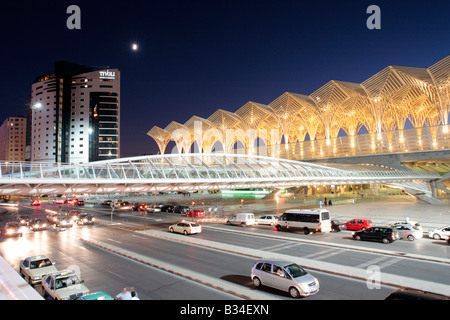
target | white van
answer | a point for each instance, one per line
(308, 220)
(242, 219)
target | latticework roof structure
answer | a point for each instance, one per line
(382, 103)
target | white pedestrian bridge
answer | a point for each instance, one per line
(198, 171)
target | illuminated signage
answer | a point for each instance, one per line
(111, 75)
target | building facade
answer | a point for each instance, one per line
(75, 115)
(13, 139)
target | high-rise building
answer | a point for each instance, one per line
(75, 114)
(13, 139)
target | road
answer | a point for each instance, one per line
(105, 271)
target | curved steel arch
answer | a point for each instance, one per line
(176, 172)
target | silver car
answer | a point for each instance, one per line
(32, 269)
(285, 276)
(408, 231)
(440, 233)
(267, 219)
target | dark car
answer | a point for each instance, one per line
(167, 208)
(335, 226)
(38, 224)
(23, 220)
(107, 202)
(80, 202)
(383, 234)
(181, 209)
(85, 218)
(448, 241)
(52, 218)
(410, 294)
(140, 207)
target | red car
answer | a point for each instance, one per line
(72, 201)
(196, 213)
(359, 224)
(36, 202)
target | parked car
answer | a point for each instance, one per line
(242, 219)
(167, 208)
(359, 224)
(336, 226)
(58, 200)
(408, 231)
(85, 218)
(36, 202)
(37, 224)
(63, 286)
(196, 213)
(440, 233)
(411, 294)
(270, 220)
(181, 209)
(383, 234)
(285, 276)
(186, 227)
(140, 207)
(71, 201)
(32, 269)
(153, 208)
(107, 203)
(413, 223)
(12, 229)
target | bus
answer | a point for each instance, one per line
(308, 220)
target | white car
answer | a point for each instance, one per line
(32, 269)
(63, 286)
(267, 220)
(440, 233)
(186, 227)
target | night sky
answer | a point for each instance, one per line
(195, 57)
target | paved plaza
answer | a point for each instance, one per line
(383, 210)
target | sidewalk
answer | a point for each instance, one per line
(13, 286)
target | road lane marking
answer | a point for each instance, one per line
(113, 240)
(117, 275)
(373, 262)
